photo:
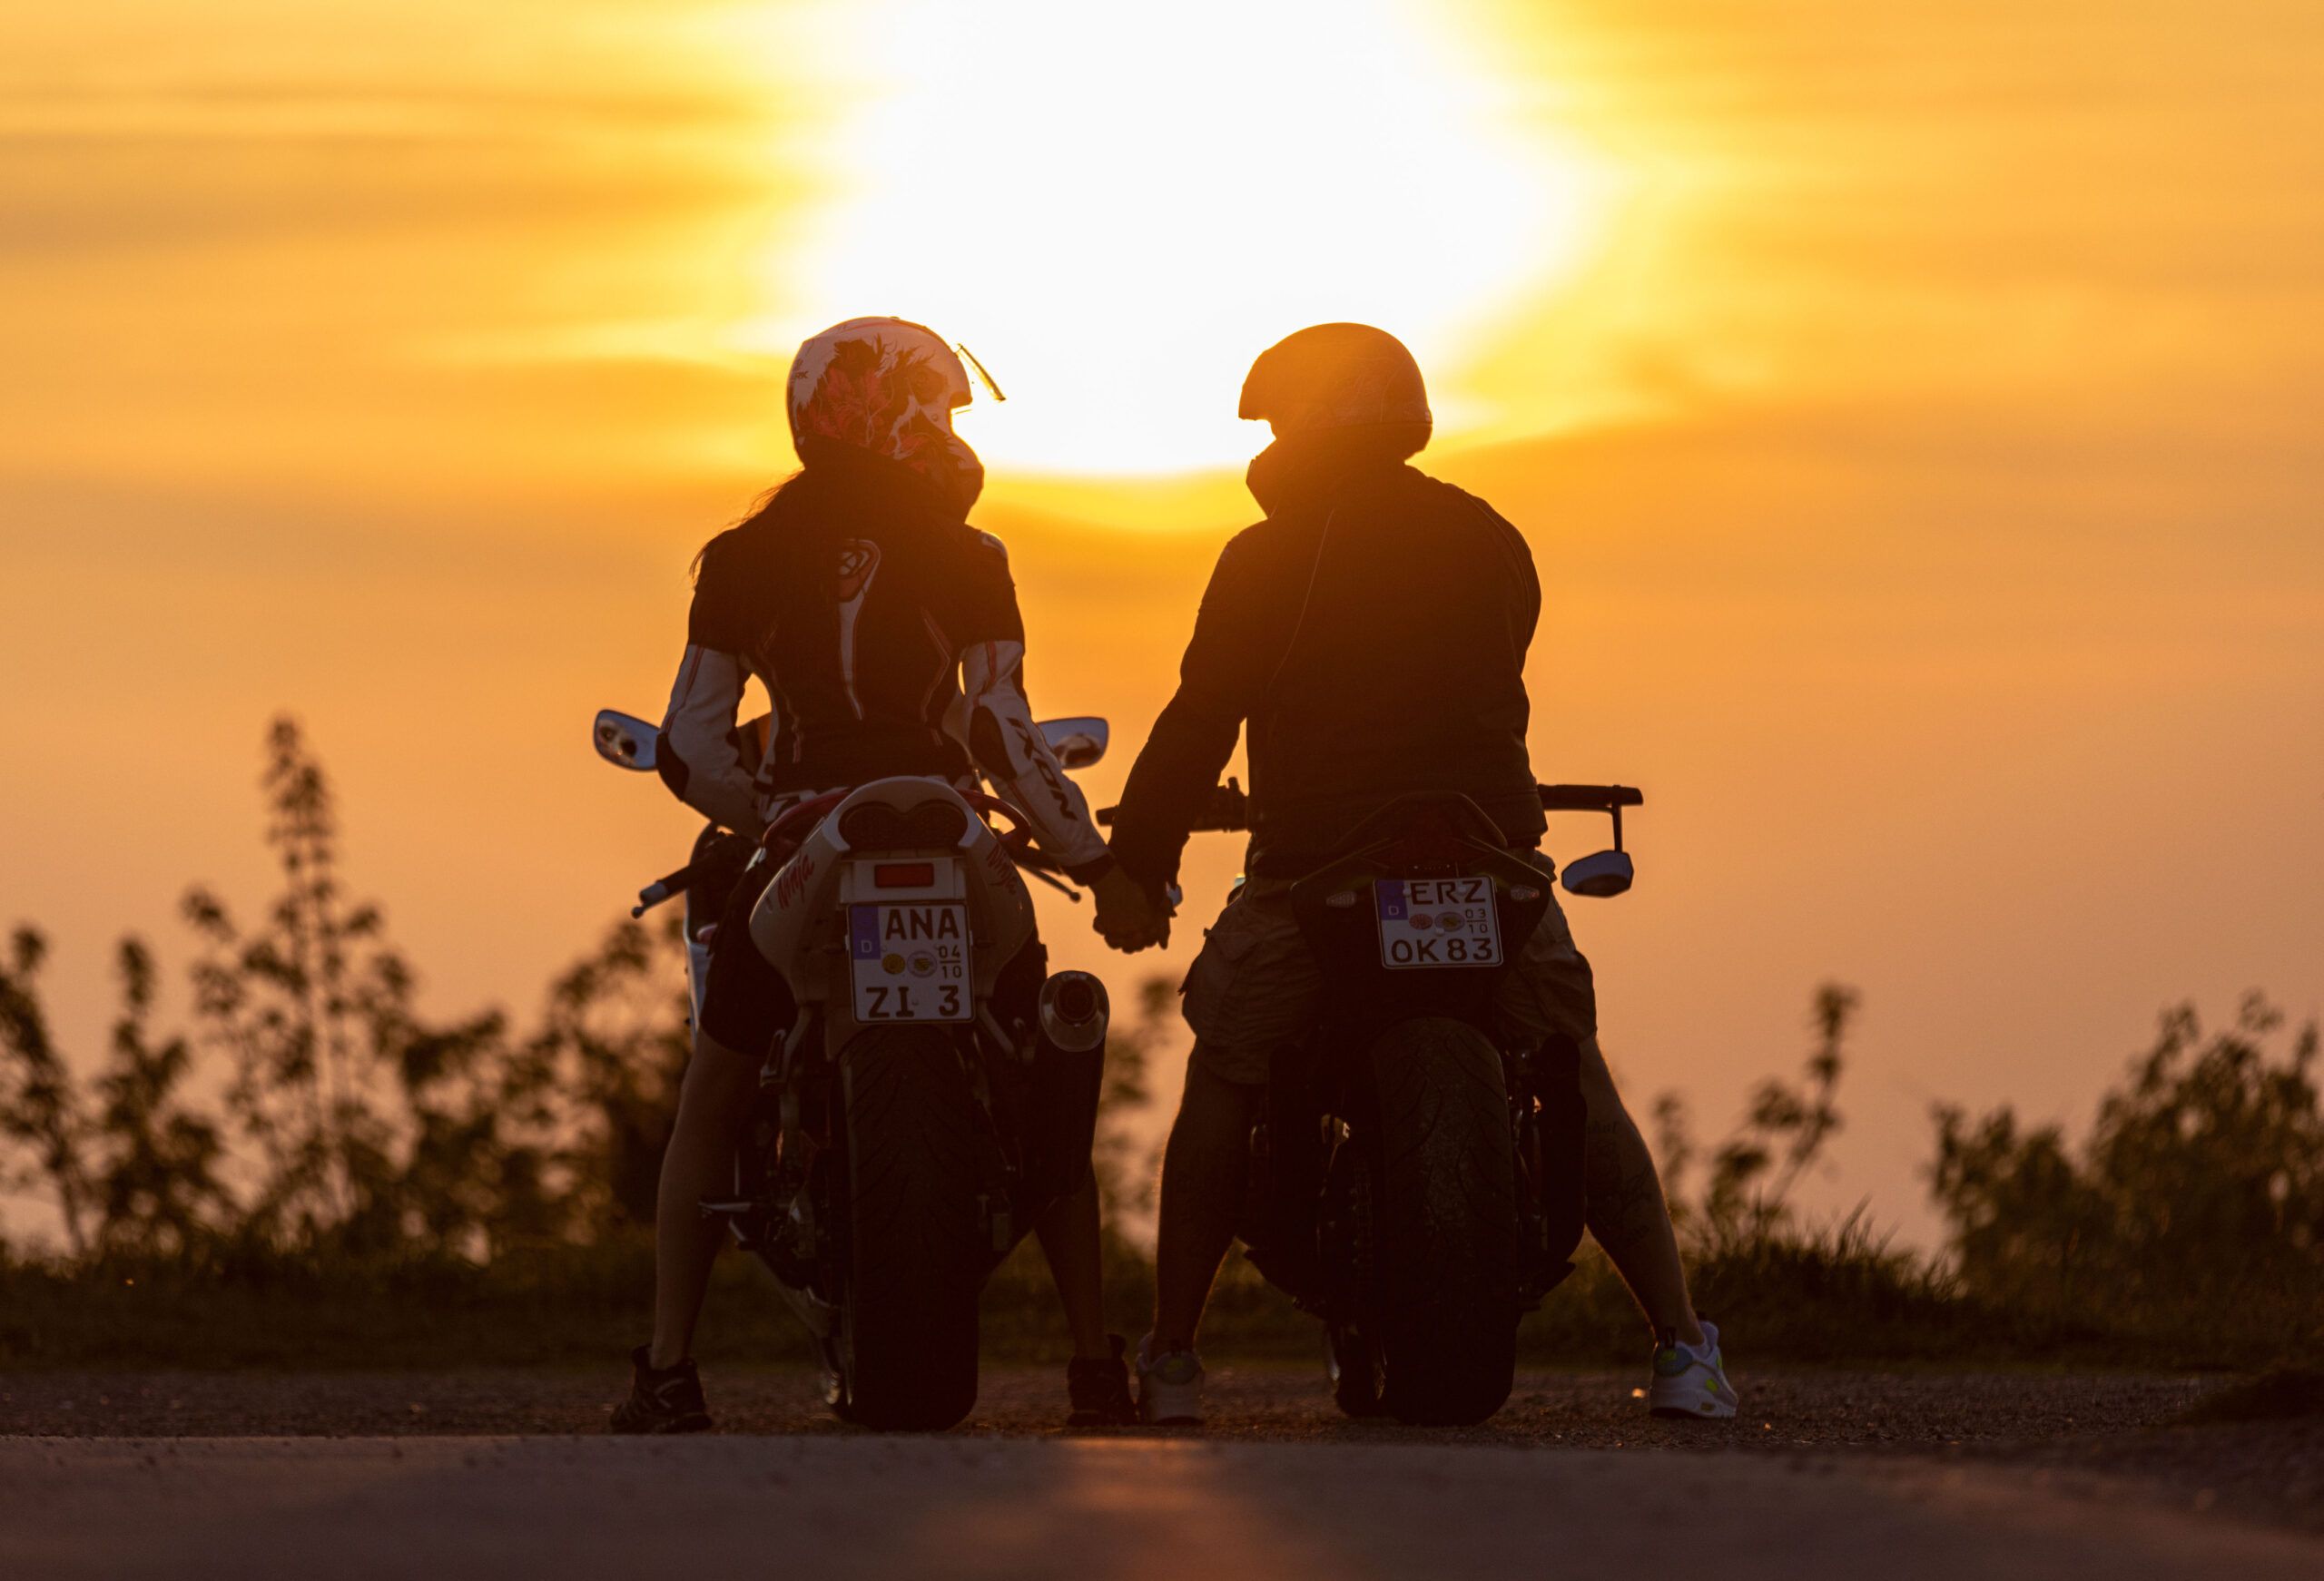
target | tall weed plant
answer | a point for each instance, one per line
(363, 1161)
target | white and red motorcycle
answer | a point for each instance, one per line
(936, 1089)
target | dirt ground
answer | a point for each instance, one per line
(2068, 1431)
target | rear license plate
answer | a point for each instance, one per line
(1436, 922)
(909, 961)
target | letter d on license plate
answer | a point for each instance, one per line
(910, 962)
(1436, 922)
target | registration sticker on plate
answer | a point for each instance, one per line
(1436, 922)
(909, 961)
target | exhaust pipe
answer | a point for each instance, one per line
(1074, 1012)
(1068, 1075)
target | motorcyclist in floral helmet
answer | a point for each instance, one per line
(886, 632)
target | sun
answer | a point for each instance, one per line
(1116, 208)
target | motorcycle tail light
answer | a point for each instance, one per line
(873, 826)
(903, 875)
(936, 823)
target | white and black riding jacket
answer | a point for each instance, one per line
(889, 639)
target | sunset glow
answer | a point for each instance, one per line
(1910, 407)
(1024, 176)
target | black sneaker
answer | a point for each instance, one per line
(665, 1400)
(1100, 1392)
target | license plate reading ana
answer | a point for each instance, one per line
(1436, 922)
(910, 962)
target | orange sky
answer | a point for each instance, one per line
(1911, 409)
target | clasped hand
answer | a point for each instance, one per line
(1131, 919)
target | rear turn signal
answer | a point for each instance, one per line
(903, 875)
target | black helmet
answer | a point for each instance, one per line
(1337, 376)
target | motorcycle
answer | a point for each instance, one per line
(1416, 1178)
(934, 1092)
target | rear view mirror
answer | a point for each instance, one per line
(1606, 874)
(623, 741)
(1078, 743)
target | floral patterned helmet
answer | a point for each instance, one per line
(889, 386)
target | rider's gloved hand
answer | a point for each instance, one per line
(1127, 917)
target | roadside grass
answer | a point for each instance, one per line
(2279, 1394)
(1837, 1298)
(320, 1209)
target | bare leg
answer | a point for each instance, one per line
(1205, 1172)
(713, 1105)
(1070, 1239)
(1623, 1204)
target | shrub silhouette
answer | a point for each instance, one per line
(364, 1132)
(372, 1161)
(2194, 1211)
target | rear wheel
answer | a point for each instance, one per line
(1354, 1357)
(909, 1318)
(1351, 1349)
(1443, 1201)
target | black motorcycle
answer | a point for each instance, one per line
(1416, 1180)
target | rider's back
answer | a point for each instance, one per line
(851, 595)
(1372, 633)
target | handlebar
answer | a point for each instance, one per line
(1228, 808)
(726, 849)
(1588, 798)
(661, 890)
(794, 824)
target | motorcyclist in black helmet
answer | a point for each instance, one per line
(1371, 636)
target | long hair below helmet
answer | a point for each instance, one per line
(887, 387)
(1338, 375)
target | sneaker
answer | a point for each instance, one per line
(1100, 1390)
(1690, 1380)
(1169, 1387)
(665, 1400)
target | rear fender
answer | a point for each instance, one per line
(798, 923)
(1333, 906)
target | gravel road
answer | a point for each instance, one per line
(459, 1474)
(1092, 1510)
(1787, 1410)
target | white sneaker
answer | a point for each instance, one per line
(1690, 1380)
(1169, 1387)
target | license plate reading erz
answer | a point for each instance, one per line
(910, 962)
(1436, 922)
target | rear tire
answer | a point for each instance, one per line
(908, 1319)
(1355, 1360)
(1444, 1224)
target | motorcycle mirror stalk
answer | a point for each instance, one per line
(1603, 874)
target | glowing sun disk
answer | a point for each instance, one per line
(1118, 208)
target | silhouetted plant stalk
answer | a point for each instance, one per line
(42, 1113)
(2192, 1217)
(1126, 1163)
(365, 1131)
(1748, 1197)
